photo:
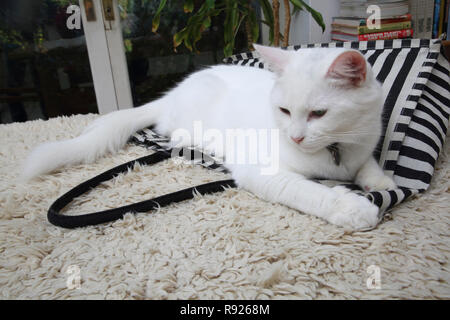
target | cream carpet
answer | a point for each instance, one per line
(226, 246)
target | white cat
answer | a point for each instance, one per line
(317, 98)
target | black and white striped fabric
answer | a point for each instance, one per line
(415, 78)
(148, 138)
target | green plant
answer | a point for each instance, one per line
(238, 14)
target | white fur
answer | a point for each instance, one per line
(230, 97)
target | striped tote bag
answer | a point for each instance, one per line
(415, 78)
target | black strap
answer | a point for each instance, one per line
(90, 219)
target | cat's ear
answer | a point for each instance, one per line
(277, 58)
(348, 69)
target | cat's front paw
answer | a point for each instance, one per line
(376, 183)
(353, 211)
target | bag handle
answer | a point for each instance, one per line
(56, 218)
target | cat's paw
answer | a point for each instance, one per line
(353, 211)
(376, 183)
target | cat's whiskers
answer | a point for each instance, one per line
(353, 133)
(353, 137)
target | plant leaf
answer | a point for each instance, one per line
(156, 18)
(234, 16)
(253, 25)
(210, 4)
(206, 23)
(231, 23)
(317, 16)
(179, 37)
(266, 7)
(188, 6)
(228, 49)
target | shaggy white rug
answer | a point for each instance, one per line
(225, 246)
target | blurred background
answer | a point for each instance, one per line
(44, 66)
(124, 53)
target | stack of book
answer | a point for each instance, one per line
(364, 20)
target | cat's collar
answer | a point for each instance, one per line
(335, 153)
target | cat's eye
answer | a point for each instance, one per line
(317, 114)
(285, 111)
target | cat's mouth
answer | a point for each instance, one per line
(308, 147)
(333, 149)
(310, 150)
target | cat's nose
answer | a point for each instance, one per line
(298, 140)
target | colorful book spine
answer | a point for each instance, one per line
(448, 18)
(441, 18)
(362, 22)
(446, 24)
(399, 34)
(437, 9)
(448, 31)
(386, 27)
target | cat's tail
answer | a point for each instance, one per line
(108, 133)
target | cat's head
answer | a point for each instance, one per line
(324, 95)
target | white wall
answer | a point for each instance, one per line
(303, 27)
